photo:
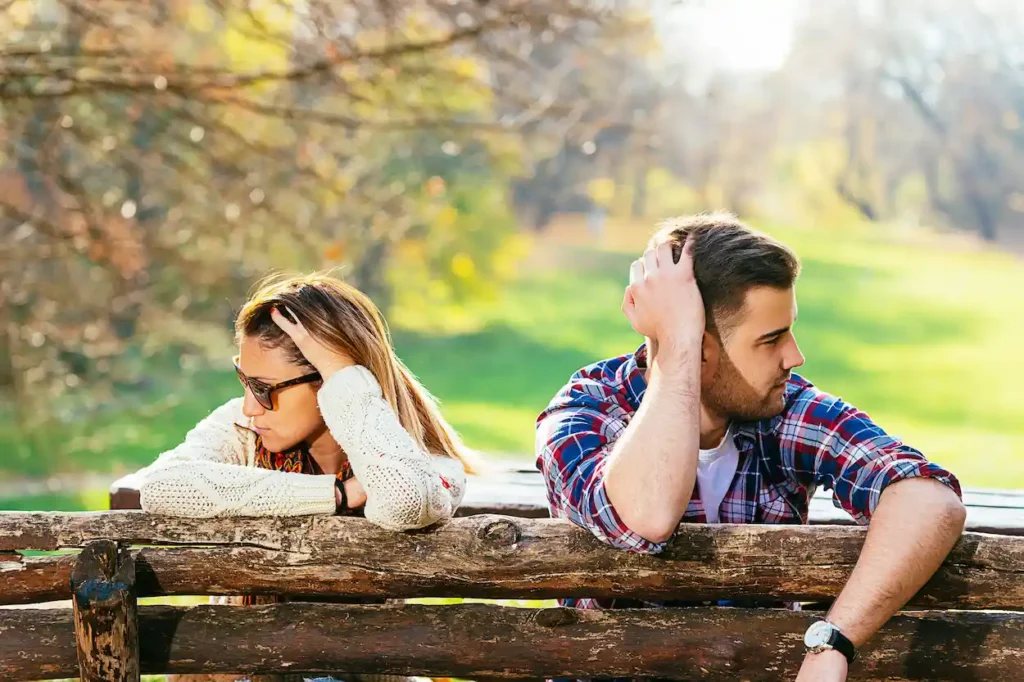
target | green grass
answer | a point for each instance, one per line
(923, 336)
(89, 499)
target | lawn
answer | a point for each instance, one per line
(922, 332)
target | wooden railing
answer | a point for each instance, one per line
(520, 492)
(965, 623)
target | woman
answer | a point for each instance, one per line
(331, 422)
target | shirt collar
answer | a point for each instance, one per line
(745, 433)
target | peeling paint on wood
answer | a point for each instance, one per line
(105, 613)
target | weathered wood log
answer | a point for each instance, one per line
(520, 493)
(472, 640)
(488, 556)
(105, 613)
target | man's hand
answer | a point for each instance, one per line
(662, 301)
(827, 666)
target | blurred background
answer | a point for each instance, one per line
(486, 170)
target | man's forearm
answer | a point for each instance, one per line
(916, 523)
(652, 468)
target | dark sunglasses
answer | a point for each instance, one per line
(263, 393)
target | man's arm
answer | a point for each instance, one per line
(913, 507)
(628, 478)
(915, 525)
(652, 467)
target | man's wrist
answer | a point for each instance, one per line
(824, 635)
(828, 655)
(678, 352)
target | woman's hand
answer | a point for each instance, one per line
(325, 360)
(355, 495)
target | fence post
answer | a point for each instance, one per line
(106, 613)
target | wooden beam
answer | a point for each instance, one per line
(105, 613)
(472, 640)
(486, 556)
(520, 493)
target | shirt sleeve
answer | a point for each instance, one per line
(828, 442)
(575, 436)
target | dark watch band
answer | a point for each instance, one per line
(840, 643)
(343, 505)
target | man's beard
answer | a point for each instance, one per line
(730, 396)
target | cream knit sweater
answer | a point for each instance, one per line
(213, 472)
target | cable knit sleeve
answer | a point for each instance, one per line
(405, 487)
(207, 475)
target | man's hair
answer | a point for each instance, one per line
(729, 259)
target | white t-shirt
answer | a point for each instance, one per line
(716, 468)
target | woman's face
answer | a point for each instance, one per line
(296, 415)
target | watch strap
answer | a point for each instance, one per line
(842, 644)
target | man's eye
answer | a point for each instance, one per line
(773, 342)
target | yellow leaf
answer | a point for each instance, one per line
(200, 18)
(446, 216)
(462, 266)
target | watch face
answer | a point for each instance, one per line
(817, 635)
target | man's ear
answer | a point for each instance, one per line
(710, 351)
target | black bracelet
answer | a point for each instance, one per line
(343, 505)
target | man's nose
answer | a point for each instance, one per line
(793, 358)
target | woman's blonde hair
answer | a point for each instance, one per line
(344, 318)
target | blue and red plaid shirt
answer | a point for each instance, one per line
(817, 440)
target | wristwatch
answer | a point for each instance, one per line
(824, 635)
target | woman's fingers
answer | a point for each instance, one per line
(293, 329)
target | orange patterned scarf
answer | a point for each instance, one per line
(297, 461)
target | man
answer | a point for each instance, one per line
(706, 423)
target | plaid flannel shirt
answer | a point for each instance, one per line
(817, 440)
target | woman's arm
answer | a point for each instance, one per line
(207, 476)
(405, 487)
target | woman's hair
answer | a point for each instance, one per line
(345, 319)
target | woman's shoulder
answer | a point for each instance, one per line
(227, 414)
(227, 422)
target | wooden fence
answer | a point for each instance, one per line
(520, 492)
(966, 623)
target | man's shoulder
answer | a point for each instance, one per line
(804, 401)
(805, 406)
(598, 384)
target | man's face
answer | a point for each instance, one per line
(745, 378)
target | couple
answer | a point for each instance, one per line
(704, 423)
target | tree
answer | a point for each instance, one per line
(157, 157)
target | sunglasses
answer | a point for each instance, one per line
(264, 393)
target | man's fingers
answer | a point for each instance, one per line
(636, 272)
(627, 302)
(664, 253)
(686, 257)
(649, 262)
